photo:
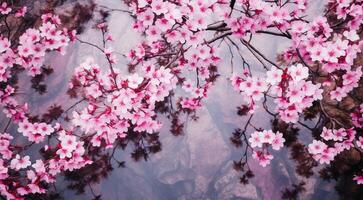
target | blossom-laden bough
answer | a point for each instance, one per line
(321, 68)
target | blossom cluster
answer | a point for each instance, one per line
(35, 132)
(334, 52)
(177, 33)
(35, 42)
(342, 139)
(116, 103)
(21, 174)
(33, 45)
(357, 117)
(290, 88)
(11, 107)
(262, 15)
(34, 173)
(264, 139)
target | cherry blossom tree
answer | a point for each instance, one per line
(317, 78)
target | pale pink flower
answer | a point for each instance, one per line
(273, 75)
(18, 162)
(317, 147)
(278, 141)
(134, 80)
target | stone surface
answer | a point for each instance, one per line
(228, 186)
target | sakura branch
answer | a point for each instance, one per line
(319, 63)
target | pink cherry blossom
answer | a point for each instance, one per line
(264, 159)
(5, 9)
(256, 139)
(278, 141)
(298, 72)
(274, 75)
(317, 147)
(359, 179)
(18, 162)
